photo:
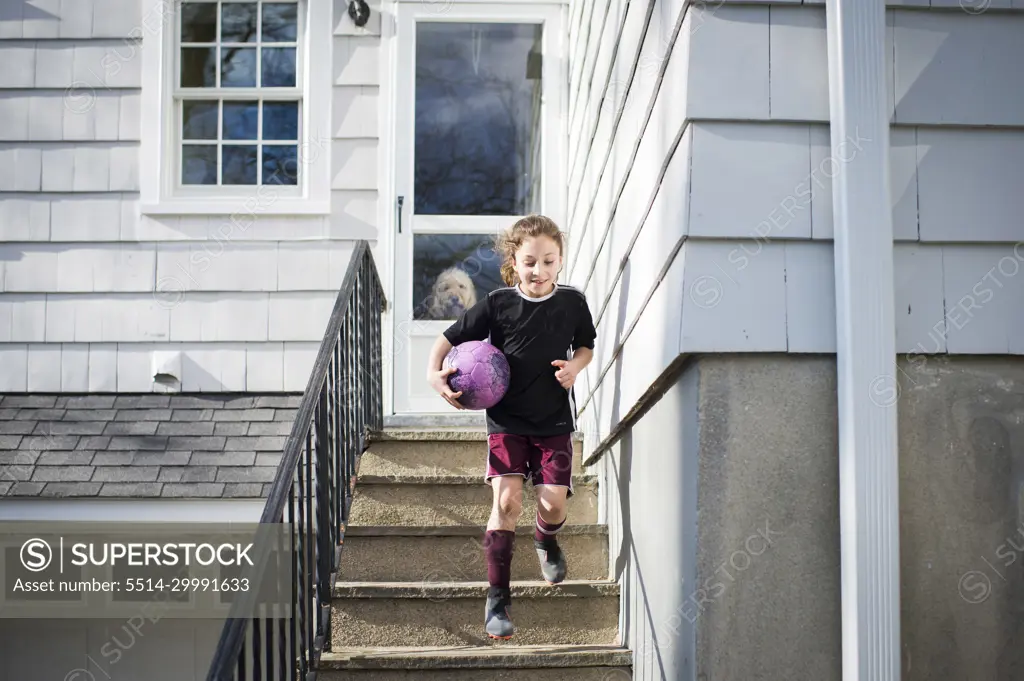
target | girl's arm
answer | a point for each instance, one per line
(474, 324)
(437, 376)
(567, 369)
(581, 358)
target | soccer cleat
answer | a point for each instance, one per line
(497, 622)
(552, 561)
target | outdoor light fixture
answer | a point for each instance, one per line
(359, 11)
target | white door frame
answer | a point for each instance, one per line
(398, 17)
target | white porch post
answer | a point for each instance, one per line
(866, 361)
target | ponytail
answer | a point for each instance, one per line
(508, 273)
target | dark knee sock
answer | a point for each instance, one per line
(545, 532)
(498, 547)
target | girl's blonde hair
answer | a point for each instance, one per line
(508, 242)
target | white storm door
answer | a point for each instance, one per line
(478, 143)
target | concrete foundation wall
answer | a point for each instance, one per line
(750, 588)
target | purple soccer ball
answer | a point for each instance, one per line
(481, 374)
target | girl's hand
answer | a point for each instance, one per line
(566, 373)
(439, 381)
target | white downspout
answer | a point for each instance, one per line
(866, 340)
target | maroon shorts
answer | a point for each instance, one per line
(544, 460)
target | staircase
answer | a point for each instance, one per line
(384, 534)
(408, 602)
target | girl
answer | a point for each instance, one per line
(547, 334)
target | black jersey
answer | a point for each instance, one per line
(531, 332)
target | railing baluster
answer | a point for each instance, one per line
(346, 477)
(310, 546)
(269, 641)
(256, 652)
(293, 620)
(301, 575)
(360, 350)
(325, 546)
(241, 662)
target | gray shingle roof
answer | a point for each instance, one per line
(142, 446)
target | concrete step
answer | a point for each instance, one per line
(452, 614)
(413, 428)
(510, 663)
(442, 453)
(453, 419)
(455, 553)
(452, 500)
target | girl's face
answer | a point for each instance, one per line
(537, 263)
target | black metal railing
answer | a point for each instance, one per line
(312, 490)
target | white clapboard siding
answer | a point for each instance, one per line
(751, 180)
(955, 298)
(73, 19)
(355, 164)
(956, 69)
(178, 317)
(356, 60)
(90, 288)
(22, 318)
(354, 215)
(810, 297)
(68, 167)
(602, 163)
(643, 240)
(729, 54)
(127, 367)
(170, 269)
(242, 227)
(354, 111)
(798, 86)
(919, 304)
(970, 184)
(587, 104)
(634, 173)
(942, 68)
(89, 65)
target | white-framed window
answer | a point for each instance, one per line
(236, 107)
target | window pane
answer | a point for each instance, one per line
(241, 120)
(452, 272)
(238, 23)
(198, 67)
(279, 22)
(238, 67)
(281, 121)
(199, 120)
(198, 22)
(279, 67)
(239, 164)
(199, 164)
(280, 164)
(478, 121)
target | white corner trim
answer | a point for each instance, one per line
(156, 171)
(868, 388)
(157, 17)
(387, 194)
